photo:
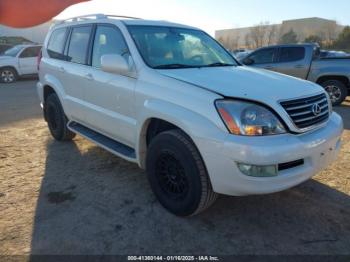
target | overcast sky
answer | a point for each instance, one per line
(211, 15)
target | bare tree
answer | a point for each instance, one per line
(263, 34)
(248, 41)
(257, 34)
(329, 33)
(234, 43)
(272, 35)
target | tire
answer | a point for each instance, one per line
(8, 75)
(56, 119)
(337, 91)
(177, 174)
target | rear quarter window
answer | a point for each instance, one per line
(290, 54)
(56, 43)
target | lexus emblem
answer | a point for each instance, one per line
(316, 109)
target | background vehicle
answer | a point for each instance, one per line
(329, 54)
(240, 54)
(20, 60)
(171, 99)
(304, 61)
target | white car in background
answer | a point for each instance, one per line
(20, 60)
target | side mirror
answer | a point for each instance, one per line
(115, 64)
(248, 61)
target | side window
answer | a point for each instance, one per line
(108, 40)
(79, 44)
(30, 52)
(264, 56)
(56, 44)
(290, 54)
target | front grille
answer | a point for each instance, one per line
(307, 112)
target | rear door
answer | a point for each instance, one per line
(293, 61)
(263, 58)
(27, 60)
(75, 69)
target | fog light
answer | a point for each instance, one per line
(258, 171)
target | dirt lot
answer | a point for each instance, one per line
(74, 198)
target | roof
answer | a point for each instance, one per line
(309, 19)
(124, 19)
(290, 45)
(27, 45)
(155, 23)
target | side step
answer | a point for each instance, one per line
(103, 141)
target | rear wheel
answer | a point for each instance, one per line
(337, 91)
(177, 174)
(8, 75)
(56, 119)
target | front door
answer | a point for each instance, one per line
(27, 60)
(263, 58)
(110, 96)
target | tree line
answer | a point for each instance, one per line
(265, 34)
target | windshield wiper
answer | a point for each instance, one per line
(218, 64)
(174, 66)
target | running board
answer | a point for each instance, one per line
(103, 141)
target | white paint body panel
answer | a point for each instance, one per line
(121, 107)
(23, 66)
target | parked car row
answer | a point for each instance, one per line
(305, 61)
(19, 61)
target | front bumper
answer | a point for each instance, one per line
(318, 149)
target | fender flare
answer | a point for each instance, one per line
(188, 121)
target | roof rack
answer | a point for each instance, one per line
(92, 17)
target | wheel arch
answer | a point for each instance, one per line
(51, 84)
(158, 116)
(10, 67)
(151, 127)
(344, 79)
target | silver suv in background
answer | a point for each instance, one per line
(304, 61)
(19, 61)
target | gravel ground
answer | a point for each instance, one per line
(75, 198)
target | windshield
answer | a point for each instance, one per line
(13, 51)
(170, 48)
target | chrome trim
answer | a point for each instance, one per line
(303, 106)
(310, 128)
(311, 117)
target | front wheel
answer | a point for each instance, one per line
(337, 91)
(177, 174)
(8, 75)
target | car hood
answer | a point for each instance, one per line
(5, 58)
(245, 82)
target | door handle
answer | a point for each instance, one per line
(299, 66)
(62, 69)
(89, 76)
(269, 67)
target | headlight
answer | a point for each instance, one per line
(248, 119)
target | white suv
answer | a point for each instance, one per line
(20, 60)
(171, 99)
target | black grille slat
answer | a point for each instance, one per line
(293, 164)
(314, 122)
(300, 111)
